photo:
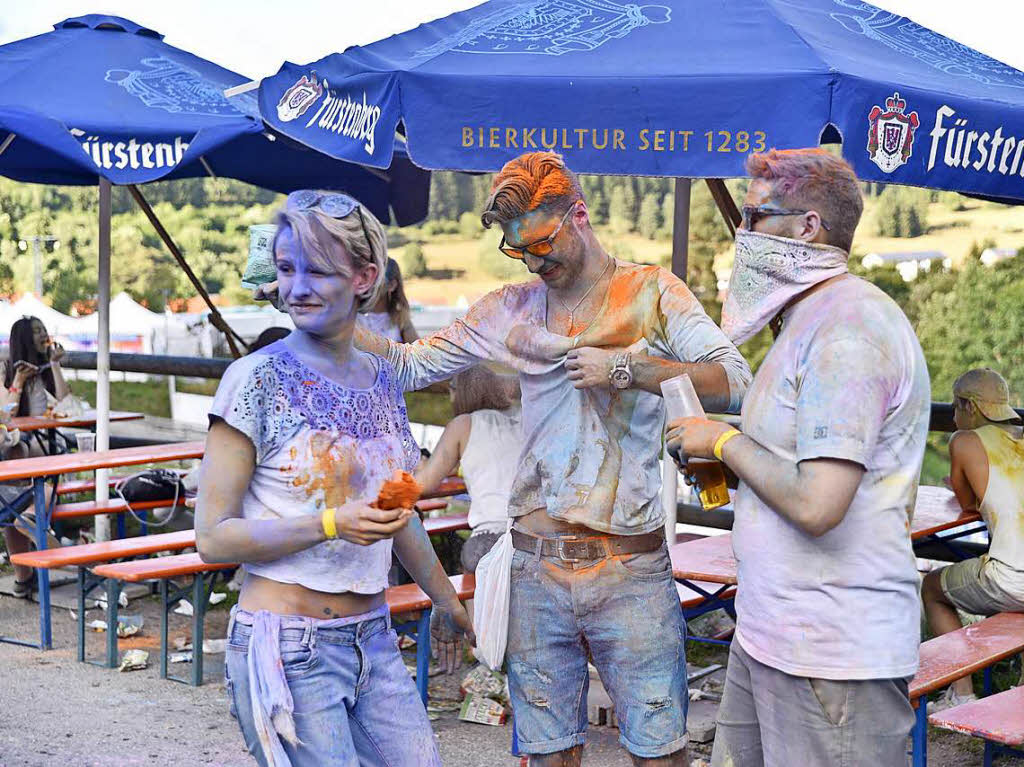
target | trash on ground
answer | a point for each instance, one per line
(217, 597)
(180, 657)
(182, 643)
(184, 608)
(134, 660)
(406, 642)
(97, 625)
(214, 646)
(483, 682)
(122, 599)
(129, 625)
(482, 711)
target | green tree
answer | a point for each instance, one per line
(902, 212)
(649, 221)
(470, 226)
(414, 263)
(496, 263)
(977, 323)
(620, 216)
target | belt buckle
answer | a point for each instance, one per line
(573, 549)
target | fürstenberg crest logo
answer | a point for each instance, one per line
(338, 112)
(297, 99)
(891, 134)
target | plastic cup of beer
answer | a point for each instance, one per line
(86, 442)
(681, 401)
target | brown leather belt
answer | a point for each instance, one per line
(577, 549)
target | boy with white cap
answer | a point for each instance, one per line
(987, 474)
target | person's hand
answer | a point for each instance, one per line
(23, 371)
(56, 352)
(694, 437)
(589, 366)
(362, 524)
(268, 292)
(449, 624)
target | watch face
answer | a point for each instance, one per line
(621, 379)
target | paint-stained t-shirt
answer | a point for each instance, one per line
(845, 379)
(318, 445)
(589, 456)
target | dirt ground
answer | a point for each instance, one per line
(56, 711)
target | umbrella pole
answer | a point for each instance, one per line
(726, 204)
(102, 528)
(215, 316)
(681, 228)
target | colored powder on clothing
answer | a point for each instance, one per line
(399, 492)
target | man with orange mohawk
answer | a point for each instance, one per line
(591, 340)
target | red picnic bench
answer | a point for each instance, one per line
(955, 655)
(998, 719)
(402, 600)
(48, 467)
(87, 554)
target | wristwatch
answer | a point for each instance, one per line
(621, 376)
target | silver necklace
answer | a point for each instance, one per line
(572, 311)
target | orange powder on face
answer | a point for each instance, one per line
(399, 492)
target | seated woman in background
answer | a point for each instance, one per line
(483, 437)
(389, 316)
(32, 370)
(303, 433)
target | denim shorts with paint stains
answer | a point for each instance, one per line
(623, 613)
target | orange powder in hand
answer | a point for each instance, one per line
(399, 492)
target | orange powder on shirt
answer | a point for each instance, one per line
(399, 492)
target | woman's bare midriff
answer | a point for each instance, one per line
(260, 593)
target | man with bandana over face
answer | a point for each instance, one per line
(834, 428)
(591, 340)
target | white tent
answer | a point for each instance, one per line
(57, 324)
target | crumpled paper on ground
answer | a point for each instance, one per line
(134, 660)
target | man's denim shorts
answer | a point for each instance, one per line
(622, 611)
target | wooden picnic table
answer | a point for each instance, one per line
(66, 463)
(711, 559)
(40, 469)
(87, 419)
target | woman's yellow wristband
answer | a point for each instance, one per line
(722, 440)
(329, 523)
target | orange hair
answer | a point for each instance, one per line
(814, 179)
(528, 182)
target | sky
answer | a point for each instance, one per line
(253, 37)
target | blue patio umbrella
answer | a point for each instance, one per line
(103, 97)
(667, 88)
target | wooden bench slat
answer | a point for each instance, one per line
(999, 718)
(49, 465)
(87, 485)
(91, 553)
(113, 506)
(159, 567)
(423, 506)
(705, 559)
(960, 653)
(409, 596)
(438, 525)
(449, 486)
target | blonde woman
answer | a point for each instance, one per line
(303, 433)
